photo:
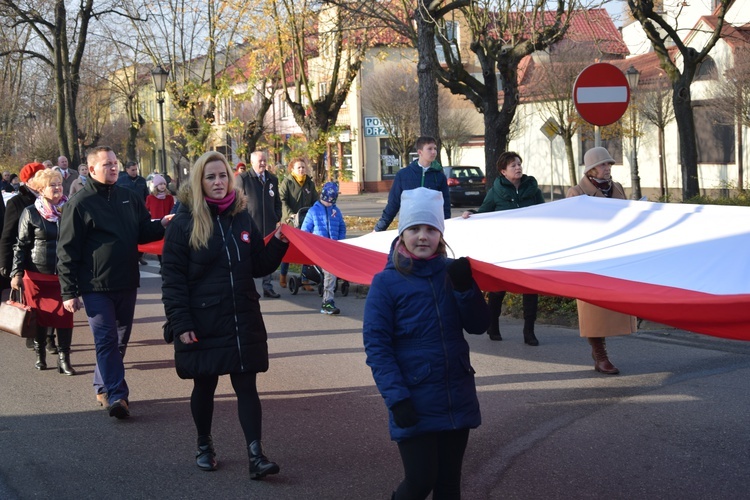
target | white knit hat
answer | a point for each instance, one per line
(421, 206)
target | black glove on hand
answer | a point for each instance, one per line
(404, 414)
(459, 271)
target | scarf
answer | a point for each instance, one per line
(605, 186)
(47, 210)
(160, 196)
(402, 250)
(224, 203)
(300, 179)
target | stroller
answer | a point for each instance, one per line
(311, 275)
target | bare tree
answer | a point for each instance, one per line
(554, 76)
(655, 106)
(662, 36)
(321, 75)
(732, 95)
(392, 93)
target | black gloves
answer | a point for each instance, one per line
(404, 414)
(459, 271)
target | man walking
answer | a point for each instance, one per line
(100, 230)
(68, 175)
(261, 188)
(130, 179)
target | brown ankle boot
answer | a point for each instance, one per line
(599, 353)
(282, 280)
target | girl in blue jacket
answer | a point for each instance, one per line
(417, 309)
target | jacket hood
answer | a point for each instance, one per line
(185, 197)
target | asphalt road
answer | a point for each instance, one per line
(673, 425)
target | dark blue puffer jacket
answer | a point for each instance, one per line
(415, 345)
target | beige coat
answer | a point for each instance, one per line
(594, 321)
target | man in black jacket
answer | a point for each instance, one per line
(100, 230)
(261, 188)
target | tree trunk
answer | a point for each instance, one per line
(495, 143)
(428, 89)
(662, 167)
(683, 112)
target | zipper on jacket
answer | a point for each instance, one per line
(231, 285)
(445, 352)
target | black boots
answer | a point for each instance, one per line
(528, 332)
(260, 466)
(64, 338)
(601, 360)
(63, 363)
(41, 355)
(205, 457)
(495, 304)
(51, 346)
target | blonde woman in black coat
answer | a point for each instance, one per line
(212, 252)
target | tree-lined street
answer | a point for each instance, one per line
(672, 425)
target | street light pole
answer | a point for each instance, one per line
(633, 75)
(160, 75)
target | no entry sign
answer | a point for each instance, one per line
(601, 94)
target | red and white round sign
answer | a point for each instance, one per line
(601, 94)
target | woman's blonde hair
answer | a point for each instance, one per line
(203, 224)
(44, 178)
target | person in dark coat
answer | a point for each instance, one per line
(426, 172)
(212, 252)
(261, 188)
(15, 206)
(511, 189)
(100, 230)
(417, 310)
(297, 191)
(35, 268)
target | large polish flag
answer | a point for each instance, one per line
(682, 265)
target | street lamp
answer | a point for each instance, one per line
(160, 75)
(633, 75)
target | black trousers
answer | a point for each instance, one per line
(248, 404)
(432, 463)
(530, 303)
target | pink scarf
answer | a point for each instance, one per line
(47, 210)
(224, 203)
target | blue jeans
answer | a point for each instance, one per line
(110, 316)
(284, 269)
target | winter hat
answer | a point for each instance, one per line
(595, 157)
(421, 206)
(329, 192)
(29, 170)
(158, 179)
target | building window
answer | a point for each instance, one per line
(713, 138)
(390, 163)
(322, 89)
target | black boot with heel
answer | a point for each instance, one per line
(260, 466)
(64, 337)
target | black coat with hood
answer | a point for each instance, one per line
(13, 210)
(211, 291)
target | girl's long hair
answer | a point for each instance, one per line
(203, 223)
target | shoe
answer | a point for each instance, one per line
(529, 338)
(602, 364)
(308, 286)
(271, 294)
(143, 262)
(282, 280)
(119, 409)
(205, 457)
(494, 331)
(260, 466)
(51, 346)
(41, 356)
(63, 364)
(329, 308)
(103, 400)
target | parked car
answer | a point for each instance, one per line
(466, 185)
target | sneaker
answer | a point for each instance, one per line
(329, 308)
(143, 262)
(102, 399)
(119, 409)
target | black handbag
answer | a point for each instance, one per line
(17, 318)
